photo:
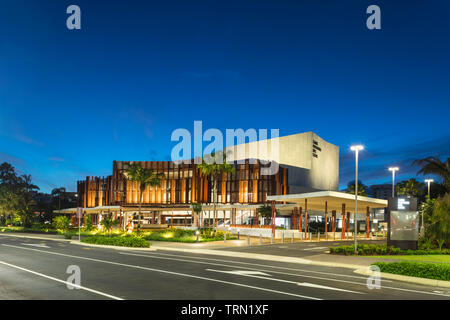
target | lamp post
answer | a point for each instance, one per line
(428, 181)
(393, 169)
(422, 227)
(356, 148)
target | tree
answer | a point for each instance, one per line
(411, 188)
(362, 188)
(108, 223)
(58, 193)
(434, 165)
(144, 177)
(61, 223)
(214, 166)
(265, 211)
(440, 219)
(16, 194)
(197, 208)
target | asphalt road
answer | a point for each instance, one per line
(35, 269)
(297, 249)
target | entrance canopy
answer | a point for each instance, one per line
(333, 200)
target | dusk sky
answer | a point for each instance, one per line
(72, 101)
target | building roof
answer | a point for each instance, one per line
(334, 200)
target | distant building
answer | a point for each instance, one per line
(41, 197)
(380, 191)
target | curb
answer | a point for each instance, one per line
(423, 281)
(32, 237)
(110, 247)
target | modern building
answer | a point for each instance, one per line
(296, 164)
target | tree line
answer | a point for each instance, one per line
(20, 202)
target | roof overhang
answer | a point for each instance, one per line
(333, 200)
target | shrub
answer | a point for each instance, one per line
(61, 223)
(438, 271)
(88, 223)
(108, 223)
(68, 235)
(381, 250)
(121, 241)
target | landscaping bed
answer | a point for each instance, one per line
(184, 235)
(29, 230)
(121, 241)
(383, 250)
(436, 271)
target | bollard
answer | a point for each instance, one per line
(224, 238)
(326, 236)
(260, 238)
(238, 235)
(318, 236)
(271, 238)
(282, 237)
(292, 240)
(310, 237)
(248, 240)
(301, 236)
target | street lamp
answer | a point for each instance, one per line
(422, 227)
(356, 148)
(429, 181)
(393, 169)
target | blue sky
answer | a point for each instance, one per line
(73, 101)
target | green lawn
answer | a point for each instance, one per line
(442, 258)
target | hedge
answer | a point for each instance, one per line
(437, 271)
(186, 235)
(121, 241)
(382, 250)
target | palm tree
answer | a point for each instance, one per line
(434, 165)
(265, 211)
(144, 177)
(362, 188)
(58, 192)
(214, 169)
(197, 208)
(411, 187)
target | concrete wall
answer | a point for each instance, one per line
(306, 172)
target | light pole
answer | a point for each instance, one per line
(422, 227)
(356, 148)
(393, 169)
(429, 181)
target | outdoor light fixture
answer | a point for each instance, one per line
(356, 148)
(422, 227)
(429, 181)
(393, 169)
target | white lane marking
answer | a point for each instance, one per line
(304, 284)
(168, 272)
(316, 248)
(155, 256)
(36, 245)
(151, 255)
(61, 281)
(248, 272)
(254, 264)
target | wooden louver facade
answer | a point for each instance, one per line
(183, 184)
